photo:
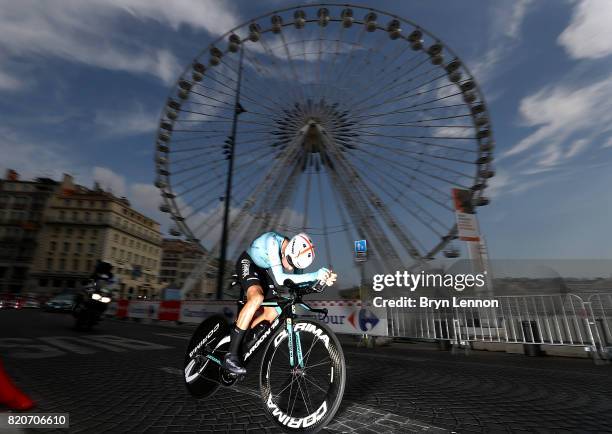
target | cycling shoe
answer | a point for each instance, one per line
(232, 364)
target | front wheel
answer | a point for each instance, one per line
(306, 397)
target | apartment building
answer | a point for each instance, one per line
(84, 225)
(22, 204)
(179, 258)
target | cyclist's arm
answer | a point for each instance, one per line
(277, 268)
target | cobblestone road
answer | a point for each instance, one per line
(126, 377)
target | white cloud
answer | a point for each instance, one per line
(125, 123)
(506, 23)
(93, 32)
(561, 112)
(608, 144)
(32, 159)
(589, 34)
(109, 180)
(8, 82)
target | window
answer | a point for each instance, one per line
(131, 243)
(68, 232)
(52, 246)
(87, 216)
(75, 215)
(62, 215)
(75, 265)
(81, 233)
(89, 267)
(67, 202)
(123, 241)
(94, 234)
(92, 248)
(116, 237)
(62, 264)
(66, 247)
(49, 264)
(129, 256)
(100, 217)
(113, 252)
(79, 247)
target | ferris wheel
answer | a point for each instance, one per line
(345, 122)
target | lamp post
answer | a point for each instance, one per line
(228, 189)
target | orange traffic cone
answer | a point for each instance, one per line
(10, 395)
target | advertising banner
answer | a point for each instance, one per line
(122, 308)
(350, 317)
(143, 309)
(467, 224)
(197, 311)
(169, 310)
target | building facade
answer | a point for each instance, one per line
(22, 205)
(84, 225)
(179, 258)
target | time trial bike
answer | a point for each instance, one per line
(302, 373)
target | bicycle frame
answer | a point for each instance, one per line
(286, 309)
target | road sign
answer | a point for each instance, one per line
(361, 250)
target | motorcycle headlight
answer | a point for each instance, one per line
(105, 300)
(96, 296)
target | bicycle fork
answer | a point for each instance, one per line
(295, 345)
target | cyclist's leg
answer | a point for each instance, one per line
(249, 280)
(255, 297)
(269, 314)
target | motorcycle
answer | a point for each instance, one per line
(91, 303)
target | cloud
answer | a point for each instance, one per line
(126, 123)
(507, 21)
(8, 82)
(589, 34)
(109, 180)
(32, 159)
(560, 112)
(93, 32)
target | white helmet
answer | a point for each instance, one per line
(300, 251)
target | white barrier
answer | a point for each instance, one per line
(344, 316)
(143, 309)
(198, 311)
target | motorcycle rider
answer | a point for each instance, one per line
(284, 258)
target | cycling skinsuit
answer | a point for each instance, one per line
(263, 255)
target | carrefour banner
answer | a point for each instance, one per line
(350, 317)
(198, 311)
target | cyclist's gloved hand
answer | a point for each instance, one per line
(322, 274)
(331, 279)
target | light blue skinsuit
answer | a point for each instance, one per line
(265, 252)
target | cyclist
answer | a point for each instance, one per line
(284, 258)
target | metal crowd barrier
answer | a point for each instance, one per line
(559, 319)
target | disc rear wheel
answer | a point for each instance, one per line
(209, 342)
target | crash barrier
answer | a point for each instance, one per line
(531, 320)
(344, 316)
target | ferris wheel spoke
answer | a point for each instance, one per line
(381, 88)
(421, 157)
(257, 97)
(393, 162)
(404, 139)
(442, 228)
(405, 94)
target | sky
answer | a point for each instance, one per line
(82, 85)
